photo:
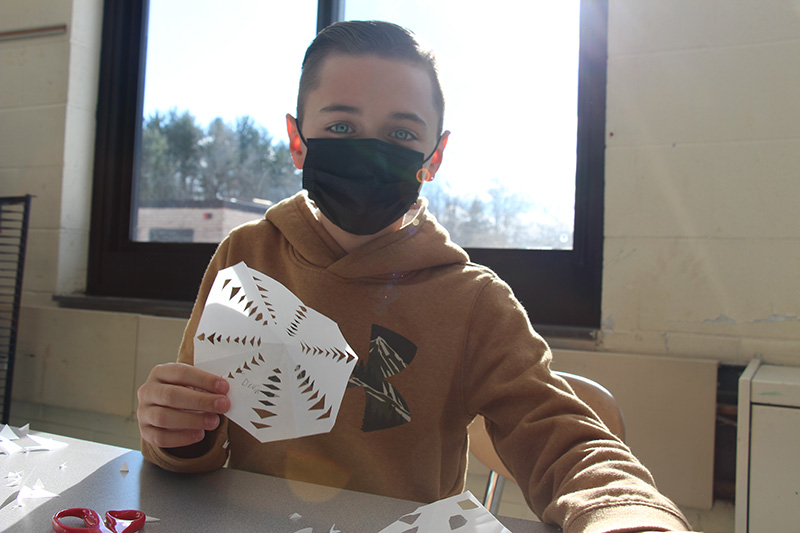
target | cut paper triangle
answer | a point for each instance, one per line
(8, 433)
(44, 443)
(35, 491)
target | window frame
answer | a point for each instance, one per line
(561, 289)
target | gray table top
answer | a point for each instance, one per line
(88, 474)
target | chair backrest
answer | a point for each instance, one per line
(14, 217)
(597, 397)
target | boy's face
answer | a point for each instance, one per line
(367, 96)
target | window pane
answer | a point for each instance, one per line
(509, 71)
(219, 79)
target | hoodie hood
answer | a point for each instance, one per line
(421, 244)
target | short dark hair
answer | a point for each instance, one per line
(373, 37)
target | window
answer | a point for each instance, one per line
(216, 93)
(557, 279)
(497, 104)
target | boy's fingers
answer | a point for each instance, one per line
(189, 376)
(179, 397)
(178, 403)
(172, 419)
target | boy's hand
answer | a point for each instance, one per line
(178, 403)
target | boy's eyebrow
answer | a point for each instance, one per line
(410, 116)
(333, 108)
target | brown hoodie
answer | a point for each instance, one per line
(439, 340)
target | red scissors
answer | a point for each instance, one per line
(129, 521)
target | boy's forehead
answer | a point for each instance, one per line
(374, 78)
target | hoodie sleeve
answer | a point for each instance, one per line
(572, 471)
(211, 453)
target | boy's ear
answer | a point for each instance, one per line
(296, 146)
(438, 154)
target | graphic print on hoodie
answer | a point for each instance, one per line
(389, 353)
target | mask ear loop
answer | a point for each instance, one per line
(424, 174)
(300, 133)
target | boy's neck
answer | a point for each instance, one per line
(350, 241)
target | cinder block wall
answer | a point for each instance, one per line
(702, 226)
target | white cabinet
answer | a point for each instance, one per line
(768, 450)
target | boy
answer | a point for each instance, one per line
(361, 248)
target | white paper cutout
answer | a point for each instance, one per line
(9, 447)
(287, 364)
(12, 441)
(35, 491)
(8, 433)
(148, 518)
(45, 443)
(462, 513)
(14, 479)
(294, 517)
(124, 467)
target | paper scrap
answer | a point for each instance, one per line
(294, 517)
(14, 479)
(10, 447)
(462, 512)
(35, 491)
(62, 466)
(288, 364)
(124, 468)
(8, 433)
(45, 443)
(21, 440)
(148, 518)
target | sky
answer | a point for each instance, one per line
(508, 70)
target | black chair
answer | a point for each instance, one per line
(14, 216)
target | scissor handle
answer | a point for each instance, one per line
(91, 520)
(134, 519)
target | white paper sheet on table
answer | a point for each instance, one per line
(462, 513)
(288, 365)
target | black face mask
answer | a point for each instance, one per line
(361, 185)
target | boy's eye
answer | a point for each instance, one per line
(340, 128)
(403, 135)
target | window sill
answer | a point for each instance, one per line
(569, 338)
(557, 336)
(139, 306)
